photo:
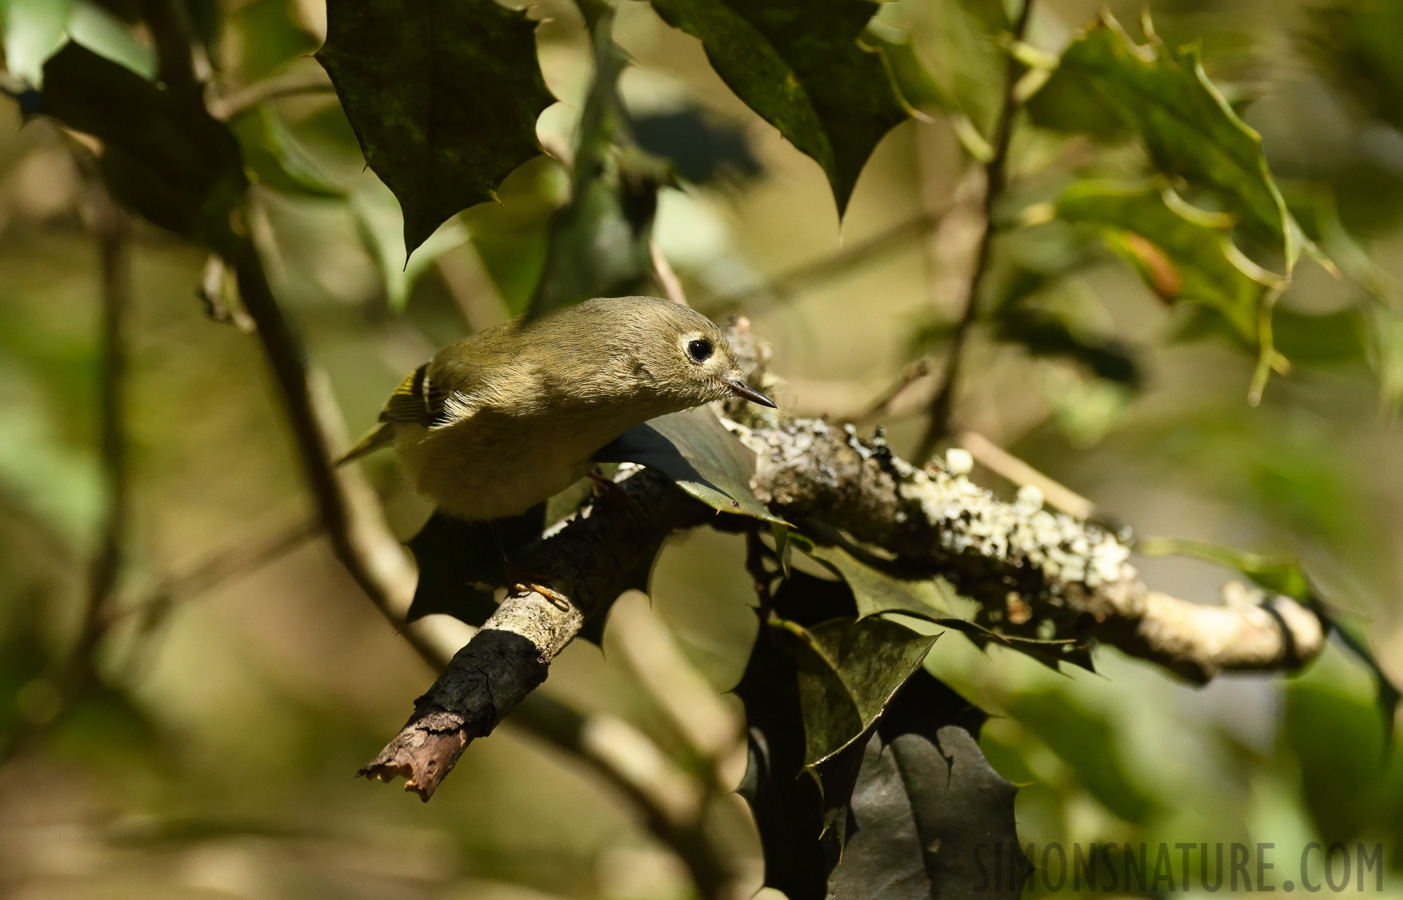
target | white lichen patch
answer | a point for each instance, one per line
(970, 520)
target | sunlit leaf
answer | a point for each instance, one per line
(443, 96)
(1183, 254)
(275, 159)
(1164, 97)
(799, 65)
(695, 450)
(32, 31)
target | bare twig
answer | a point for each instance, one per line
(1004, 464)
(996, 183)
(260, 92)
(784, 286)
(112, 228)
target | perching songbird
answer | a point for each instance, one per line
(499, 421)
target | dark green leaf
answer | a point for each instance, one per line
(1182, 253)
(695, 450)
(904, 811)
(163, 154)
(790, 805)
(443, 96)
(928, 812)
(848, 669)
(458, 562)
(799, 65)
(1164, 96)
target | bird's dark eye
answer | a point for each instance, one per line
(699, 350)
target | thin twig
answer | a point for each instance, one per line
(785, 285)
(249, 96)
(881, 404)
(112, 228)
(1004, 464)
(996, 183)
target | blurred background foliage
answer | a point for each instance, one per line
(242, 679)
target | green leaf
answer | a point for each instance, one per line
(1088, 743)
(800, 67)
(275, 159)
(163, 155)
(32, 30)
(1164, 96)
(949, 54)
(695, 450)
(443, 96)
(927, 809)
(900, 813)
(848, 670)
(1182, 253)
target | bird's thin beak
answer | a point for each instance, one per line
(741, 389)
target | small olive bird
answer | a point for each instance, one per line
(499, 421)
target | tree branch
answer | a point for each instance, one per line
(996, 183)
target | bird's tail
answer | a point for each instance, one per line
(380, 436)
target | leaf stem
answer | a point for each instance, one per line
(996, 183)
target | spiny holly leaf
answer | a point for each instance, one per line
(908, 810)
(1164, 96)
(460, 562)
(848, 670)
(163, 154)
(695, 450)
(799, 65)
(928, 811)
(1182, 253)
(443, 96)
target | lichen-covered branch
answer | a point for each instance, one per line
(1068, 571)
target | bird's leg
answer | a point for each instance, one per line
(519, 580)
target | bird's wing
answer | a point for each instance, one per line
(415, 402)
